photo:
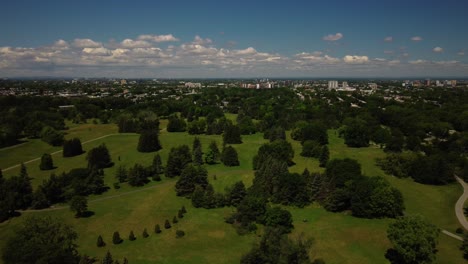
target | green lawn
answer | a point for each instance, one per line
(339, 237)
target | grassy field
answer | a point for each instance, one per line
(339, 237)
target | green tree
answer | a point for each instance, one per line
(278, 218)
(174, 220)
(180, 233)
(232, 134)
(107, 259)
(131, 236)
(198, 156)
(414, 240)
(79, 205)
(23, 171)
(178, 158)
(311, 148)
(100, 242)
(149, 141)
(213, 154)
(145, 233)
(157, 167)
(72, 147)
(167, 225)
(99, 157)
(464, 246)
(324, 156)
(229, 157)
(57, 243)
(198, 196)
(157, 229)
(116, 238)
(340, 171)
(190, 177)
(46, 162)
(209, 198)
(176, 124)
(121, 174)
(356, 133)
(137, 175)
(237, 193)
(52, 136)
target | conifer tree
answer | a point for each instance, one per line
(131, 236)
(145, 233)
(23, 171)
(198, 196)
(149, 141)
(157, 229)
(174, 220)
(324, 156)
(183, 210)
(121, 174)
(157, 165)
(107, 259)
(100, 242)
(230, 157)
(167, 225)
(46, 162)
(209, 199)
(180, 214)
(198, 156)
(116, 238)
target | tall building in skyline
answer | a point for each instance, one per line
(332, 85)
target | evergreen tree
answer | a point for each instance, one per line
(180, 214)
(72, 147)
(184, 211)
(464, 247)
(156, 166)
(180, 233)
(237, 193)
(198, 156)
(149, 141)
(198, 196)
(174, 220)
(209, 199)
(213, 155)
(23, 171)
(229, 156)
(145, 233)
(157, 229)
(137, 175)
(232, 134)
(1, 176)
(46, 162)
(324, 156)
(176, 124)
(107, 259)
(167, 225)
(125, 261)
(121, 174)
(190, 177)
(131, 236)
(178, 158)
(99, 157)
(116, 238)
(100, 242)
(196, 143)
(79, 205)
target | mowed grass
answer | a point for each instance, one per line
(339, 237)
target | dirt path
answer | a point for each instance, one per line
(459, 206)
(59, 151)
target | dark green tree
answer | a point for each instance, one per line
(79, 205)
(99, 157)
(23, 171)
(52, 136)
(311, 148)
(178, 158)
(324, 156)
(149, 141)
(464, 246)
(414, 240)
(107, 259)
(57, 243)
(116, 238)
(232, 135)
(198, 196)
(157, 229)
(157, 167)
(190, 177)
(46, 162)
(213, 155)
(176, 124)
(237, 193)
(72, 147)
(229, 157)
(137, 175)
(174, 220)
(356, 133)
(180, 233)
(340, 171)
(198, 156)
(145, 233)
(184, 211)
(131, 236)
(100, 242)
(167, 225)
(209, 198)
(278, 218)
(121, 174)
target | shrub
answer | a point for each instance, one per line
(180, 233)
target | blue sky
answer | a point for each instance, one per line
(234, 39)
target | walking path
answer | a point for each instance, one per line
(459, 206)
(59, 151)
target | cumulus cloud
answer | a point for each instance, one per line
(130, 43)
(354, 59)
(86, 43)
(418, 61)
(97, 51)
(158, 38)
(416, 38)
(388, 39)
(461, 53)
(200, 41)
(438, 49)
(333, 37)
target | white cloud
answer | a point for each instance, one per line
(461, 53)
(130, 43)
(200, 41)
(97, 51)
(416, 38)
(86, 43)
(418, 62)
(247, 51)
(332, 37)
(158, 38)
(388, 39)
(388, 51)
(438, 49)
(354, 59)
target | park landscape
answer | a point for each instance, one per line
(337, 237)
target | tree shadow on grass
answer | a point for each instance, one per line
(86, 214)
(393, 256)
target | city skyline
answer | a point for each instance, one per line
(242, 39)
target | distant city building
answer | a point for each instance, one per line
(373, 86)
(428, 82)
(192, 85)
(123, 82)
(344, 84)
(454, 83)
(332, 85)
